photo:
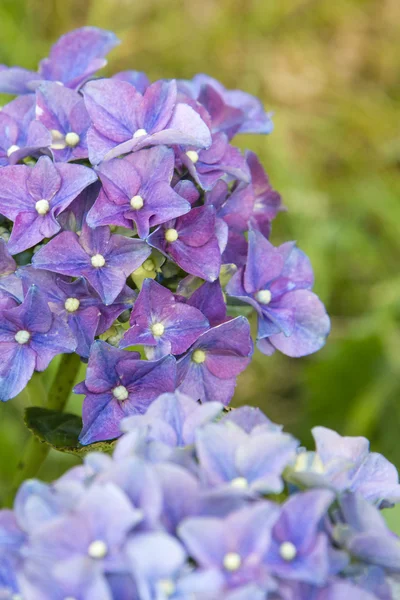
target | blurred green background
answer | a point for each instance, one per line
(330, 72)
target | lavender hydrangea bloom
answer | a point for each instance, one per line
(136, 189)
(163, 325)
(79, 304)
(365, 534)
(298, 549)
(345, 463)
(138, 79)
(86, 542)
(11, 293)
(277, 282)
(240, 462)
(234, 546)
(123, 120)
(117, 384)
(209, 298)
(73, 59)
(209, 369)
(171, 421)
(30, 336)
(208, 166)
(20, 134)
(34, 197)
(105, 260)
(62, 111)
(191, 242)
(11, 540)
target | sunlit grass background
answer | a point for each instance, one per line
(330, 72)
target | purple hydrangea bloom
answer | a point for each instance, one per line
(63, 112)
(254, 119)
(136, 189)
(209, 369)
(123, 120)
(117, 384)
(30, 336)
(277, 282)
(34, 197)
(250, 463)
(209, 298)
(299, 550)
(105, 260)
(138, 79)
(191, 242)
(11, 541)
(20, 134)
(73, 59)
(11, 293)
(208, 166)
(79, 304)
(345, 463)
(234, 546)
(161, 324)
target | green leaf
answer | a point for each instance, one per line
(61, 431)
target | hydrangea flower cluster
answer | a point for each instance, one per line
(124, 212)
(203, 504)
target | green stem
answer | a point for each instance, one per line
(36, 451)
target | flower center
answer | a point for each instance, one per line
(198, 356)
(232, 561)
(71, 304)
(22, 336)
(140, 133)
(157, 329)
(137, 202)
(57, 138)
(98, 261)
(288, 551)
(12, 149)
(42, 207)
(120, 393)
(148, 265)
(171, 235)
(97, 549)
(264, 296)
(72, 139)
(166, 586)
(240, 483)
(193, 155)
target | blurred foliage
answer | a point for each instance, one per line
(330, 72)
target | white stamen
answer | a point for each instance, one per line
(240, 483)
(166, 586)
(264, 296)
(198, 356)
(232, 561)
(171, 235)
(57, 140)
(193, 155)
(71, 304)
(288, 551)
(140, 133)
(137, 202)
(97, 549)
(22, 336)
(12, 149)
(72, 139)
(42, 207)
(120, 393)
(98, 261)
(157, 329)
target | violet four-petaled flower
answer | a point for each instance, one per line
(105, 260)
(118, 384)
(163, 325)
(30, 336)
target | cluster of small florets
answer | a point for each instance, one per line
(131, 222)
(202, 504)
